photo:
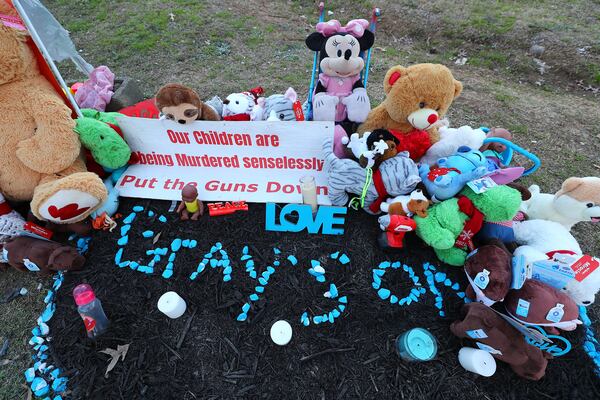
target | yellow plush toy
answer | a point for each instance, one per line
(416, 98)
(41, 154)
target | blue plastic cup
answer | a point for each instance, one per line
(416, 345)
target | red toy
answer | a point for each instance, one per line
(38, 230)
(394, 227)
(216, 209)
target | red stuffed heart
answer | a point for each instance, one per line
(66, 212)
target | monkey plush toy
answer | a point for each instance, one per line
(182, 104)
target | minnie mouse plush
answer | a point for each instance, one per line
(340, 95)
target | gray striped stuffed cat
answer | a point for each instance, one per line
(399, 175)
(279, 107)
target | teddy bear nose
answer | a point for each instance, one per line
(586, 302)
(181, 121)
(432, 118)
(347, 54)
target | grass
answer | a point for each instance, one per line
(17, 318)
(489, 58)
(504, 97)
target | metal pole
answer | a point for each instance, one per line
(40, 45)
(372, 28)
(315, 67)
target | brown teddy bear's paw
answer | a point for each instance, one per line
(69, 199)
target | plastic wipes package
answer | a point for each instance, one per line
(561, 269)
(553, 273)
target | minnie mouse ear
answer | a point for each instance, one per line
(315, 41)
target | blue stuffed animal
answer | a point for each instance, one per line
(453, 173)
(111, 204)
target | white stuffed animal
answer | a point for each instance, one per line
(410, 204)
(237, 104)
(578, 200)
(538, 237)
(450, 140)
(358, 146)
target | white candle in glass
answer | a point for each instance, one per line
(309, 191)
(172, 305)
(478, 361)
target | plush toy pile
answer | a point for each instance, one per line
(401, 160)
(456, 189)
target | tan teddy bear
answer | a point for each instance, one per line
(416, 98)
(41, 160)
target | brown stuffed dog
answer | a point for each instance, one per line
(493, 263)
(492, 333)
(41, 154)
(182, 104)
(416, 98)
(539, 304)
(30, 254)
(408, 205)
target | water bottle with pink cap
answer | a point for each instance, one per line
(90, 309)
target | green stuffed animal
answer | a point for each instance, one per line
(108, 117)
(106, 146)
(445, 221)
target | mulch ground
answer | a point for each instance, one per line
(213, 356)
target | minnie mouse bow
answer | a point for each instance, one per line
(355, 27)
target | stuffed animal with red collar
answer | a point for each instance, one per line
(416, 98)
(244, 106)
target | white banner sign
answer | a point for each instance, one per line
(227, 161)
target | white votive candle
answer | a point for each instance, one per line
(309, 191)
(478, 361)
(281, 333)
(172, 305)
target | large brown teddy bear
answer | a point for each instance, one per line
(492, 333)
(41, 160)
(416, 98)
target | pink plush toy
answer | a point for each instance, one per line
(96, 92)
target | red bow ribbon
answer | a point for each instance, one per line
(472, 225)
